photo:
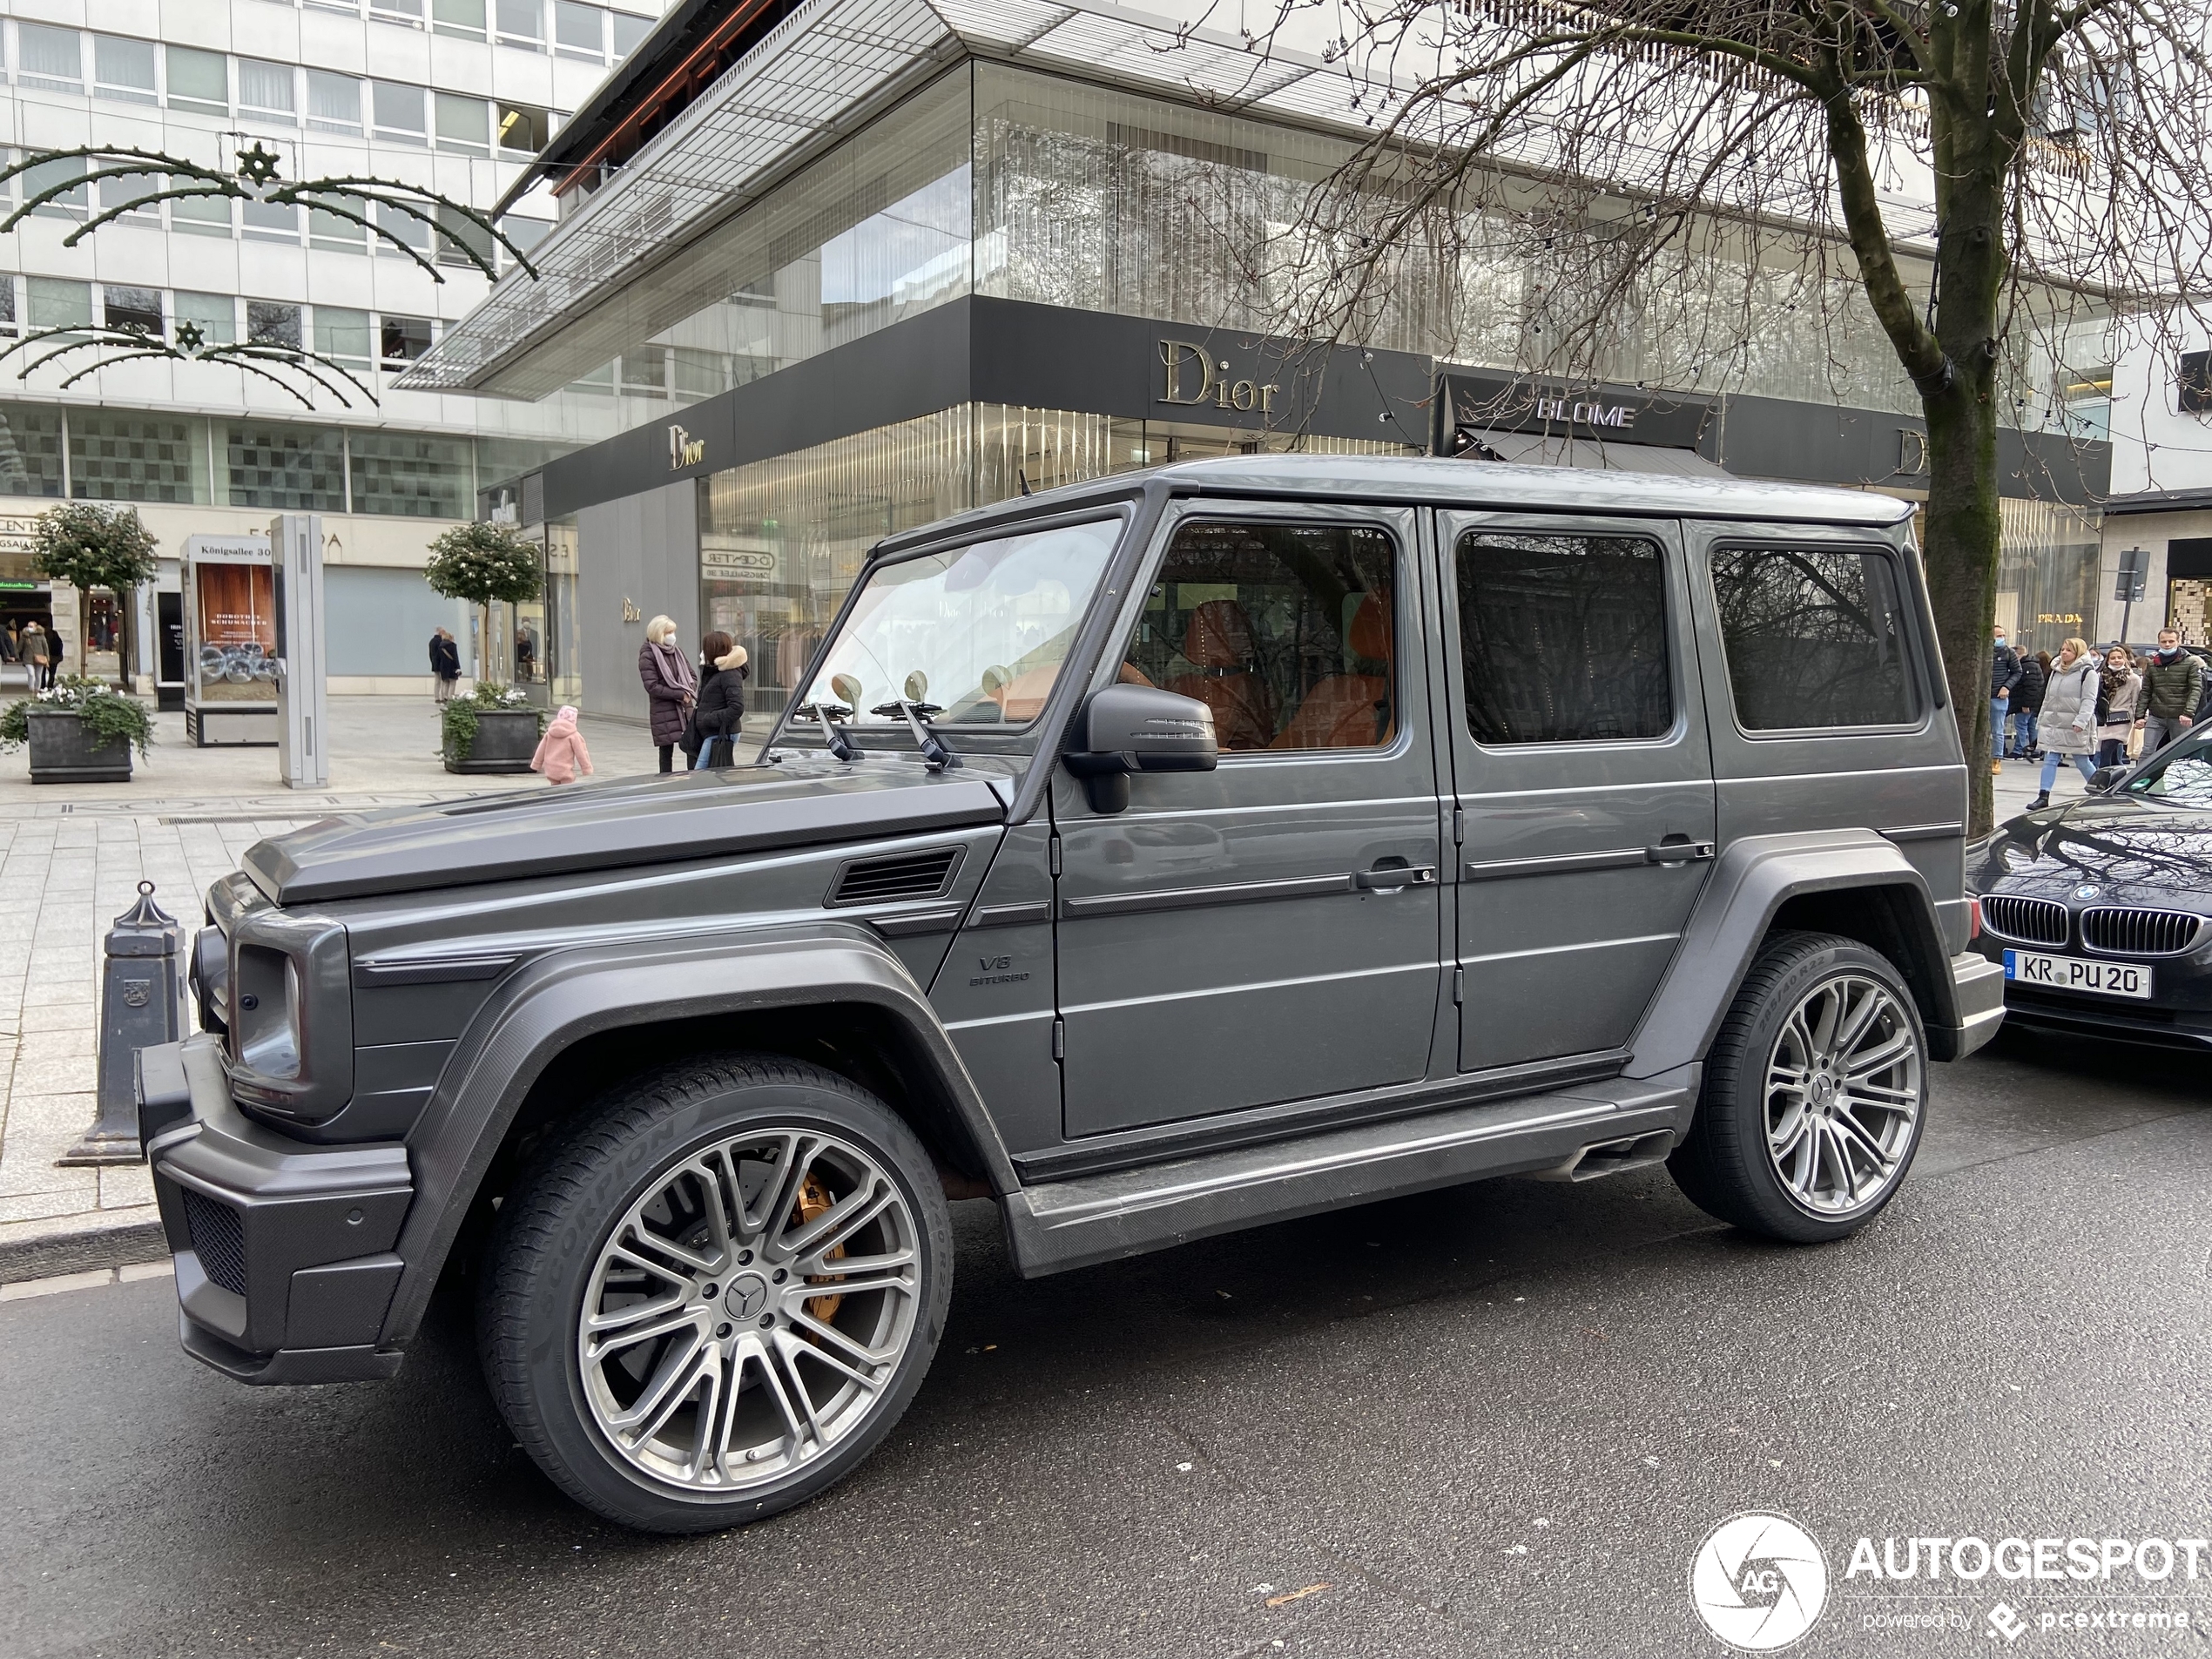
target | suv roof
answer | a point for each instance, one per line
(1462, 483)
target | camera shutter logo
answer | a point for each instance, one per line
(1758, 1582)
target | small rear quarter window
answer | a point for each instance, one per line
(1815, 638)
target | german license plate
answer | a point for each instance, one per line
(2071, 974)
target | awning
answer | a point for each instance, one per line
(1539, 450)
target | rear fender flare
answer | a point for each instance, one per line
(1754, 879)
(561, 998)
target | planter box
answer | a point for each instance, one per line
(64, 750)
(506, 739)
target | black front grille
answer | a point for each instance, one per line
(219, 1240)
(2036, 921)
(2138, 932)
(904, 876)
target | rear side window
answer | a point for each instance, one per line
(1564, 638)
(1814, 637)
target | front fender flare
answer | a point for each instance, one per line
(1754, 879)
(567, 995)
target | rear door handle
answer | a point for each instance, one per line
(1397, 875)
(1678, 852)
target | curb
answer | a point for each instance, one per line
(29, 1259)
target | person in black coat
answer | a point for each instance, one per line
(2026, 699)
(445, 665)
(720, 714)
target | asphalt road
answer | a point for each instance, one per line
(1493, 1421)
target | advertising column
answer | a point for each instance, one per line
(230, 642)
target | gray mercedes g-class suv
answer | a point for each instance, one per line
(1155, 857)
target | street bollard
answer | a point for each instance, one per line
(142, 1002)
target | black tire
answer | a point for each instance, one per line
(1723, 1165)
(546, 1251)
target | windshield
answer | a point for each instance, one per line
(2180, 776)
(973, 637)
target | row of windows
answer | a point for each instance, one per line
(116, 455)
(352, 337)
(280, 95)
(1285, 632)
(593, 34)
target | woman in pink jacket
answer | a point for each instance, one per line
(560, 754)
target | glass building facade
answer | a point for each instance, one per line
(1003, 185)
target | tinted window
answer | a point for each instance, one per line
(1283, 631)
(1564, 637)
(2182, 776)
(1813, 636)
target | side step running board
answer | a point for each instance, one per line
(1077, 1222)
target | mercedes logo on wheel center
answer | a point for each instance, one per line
(747, 1295)
(1758, 1582)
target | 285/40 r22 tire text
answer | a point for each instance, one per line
(1814, 1094)
(715, 1296)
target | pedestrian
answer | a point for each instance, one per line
(445, 666)
(2068, 722)
(36, 656)
(560, 754)
(2026, 699)
(671, 689)
(2004, 674)
(721, 712)
(2171, 685)
(56, 652)
(8, 644)
(2122, 695)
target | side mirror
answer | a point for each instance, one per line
(2106, 777)
(1126, 728)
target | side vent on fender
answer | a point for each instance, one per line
(902, 875)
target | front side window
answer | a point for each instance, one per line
(974, 637)
(1563, 638)
(1284, 629)
(1814, 637)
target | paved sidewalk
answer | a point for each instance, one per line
(71, 856)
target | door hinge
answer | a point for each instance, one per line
(1054, 856)
(1060, 1039)
(1459, 826)
(1459, 985)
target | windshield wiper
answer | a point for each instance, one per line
(840, 746)
(932, 747)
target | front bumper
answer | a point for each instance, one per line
(284, 1250)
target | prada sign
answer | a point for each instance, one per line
(1471, 404)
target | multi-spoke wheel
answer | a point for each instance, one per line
(1812, 1106)
(714, 1299)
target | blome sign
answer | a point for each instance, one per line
(1760, 1583)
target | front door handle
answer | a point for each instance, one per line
(1397, 875)
(1678, 852)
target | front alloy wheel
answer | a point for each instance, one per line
(718, 1293)
(1813, 1096)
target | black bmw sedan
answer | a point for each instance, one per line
(2100, 911)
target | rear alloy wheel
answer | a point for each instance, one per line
(1813, 1095)
(749, 1314)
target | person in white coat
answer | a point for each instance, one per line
(2067, 725)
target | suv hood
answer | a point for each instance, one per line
(2127, 847)
(637, 821)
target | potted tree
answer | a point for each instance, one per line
(495, 728)
(80, 732)
(90, 546)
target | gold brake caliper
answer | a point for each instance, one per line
(814, 1200)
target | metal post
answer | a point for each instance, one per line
(303, 724)
(2129, 587)
(142, 1003)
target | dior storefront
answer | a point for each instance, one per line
(995, 276)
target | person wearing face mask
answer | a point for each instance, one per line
(2068, 723)
(2123, 691)
(2004, 674)
(2171, 686)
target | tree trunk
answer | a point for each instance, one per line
(1963, 531)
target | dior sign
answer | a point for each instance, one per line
(1195, 377)
(684, 450)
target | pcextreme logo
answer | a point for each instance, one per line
(1758, 1582)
